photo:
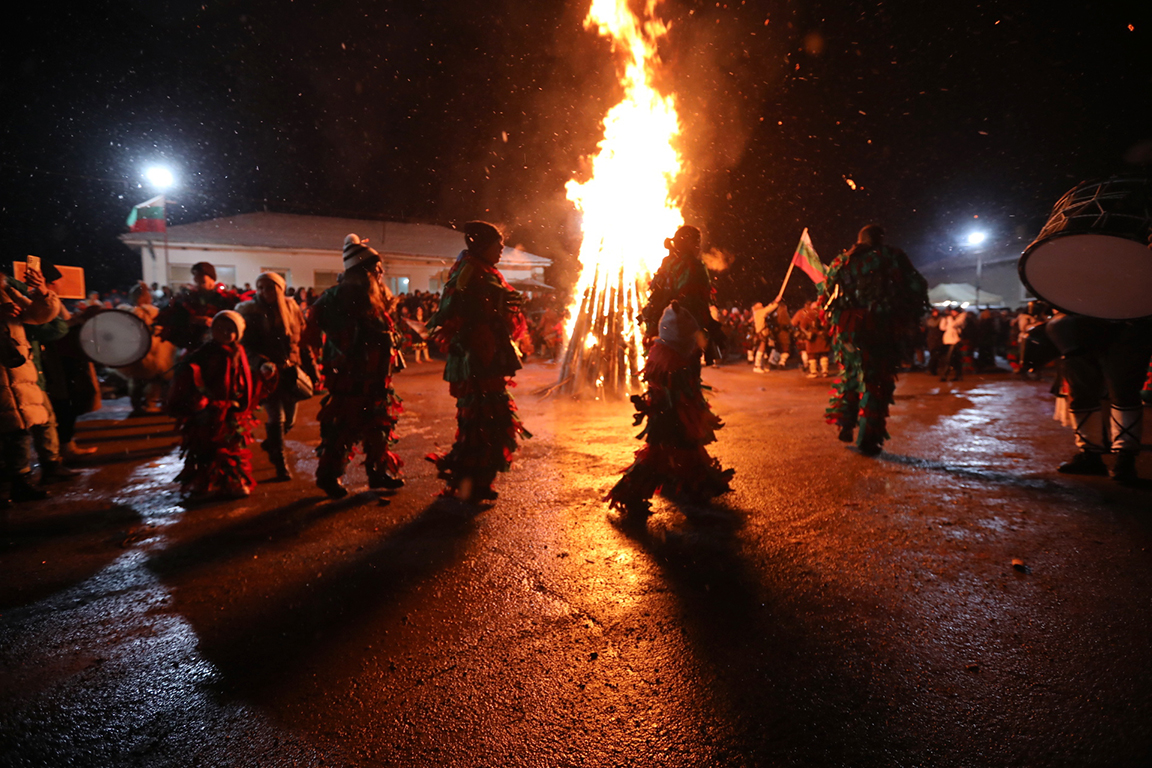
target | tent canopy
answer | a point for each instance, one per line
(959, 293)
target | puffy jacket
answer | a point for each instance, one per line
(21, 398)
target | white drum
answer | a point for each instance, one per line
(1092, 256)
(115, 339)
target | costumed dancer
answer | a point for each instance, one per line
(213, 396)
(147, 378)
(813, 331)
(360, 353)
(275, 326)
(185, 320)
(874, 299)
(674, 460)
(480, 321)
(683, 276)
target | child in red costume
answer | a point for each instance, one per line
(213, 396)
(673, 460)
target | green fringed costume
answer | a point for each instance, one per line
(479, 318)
(874, 299)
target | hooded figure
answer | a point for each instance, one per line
(274, 327)
(674, 460)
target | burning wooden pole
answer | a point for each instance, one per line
(603, 356)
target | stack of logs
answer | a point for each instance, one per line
(605, 353)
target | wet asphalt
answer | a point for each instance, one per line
(952, 602)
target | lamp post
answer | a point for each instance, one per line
(975, 240)
(162, 179)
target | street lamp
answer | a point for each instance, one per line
(974, 240)
(159, 177)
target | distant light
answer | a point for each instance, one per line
(976, 238)
(159, 177)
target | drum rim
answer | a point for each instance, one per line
(1036, 243)
(94, 315)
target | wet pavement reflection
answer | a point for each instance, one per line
(952, 601)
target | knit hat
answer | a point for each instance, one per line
(678, 329)
(478, 235)
(204, 268)
(275, 277)
(357, 253)
(233, 317)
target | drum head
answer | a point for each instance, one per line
(115, 338)
(1091, 274)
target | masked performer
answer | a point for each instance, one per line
(185, 320)
(673, 460)
(480, 321)
(874, 299)
(272, 340)
(360, 354)
(212, 397)
(682, 276)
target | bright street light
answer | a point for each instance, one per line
(976, 237)
(160, 177)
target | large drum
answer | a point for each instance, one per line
(115, 339)
(1092, 257)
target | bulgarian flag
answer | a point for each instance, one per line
(806, 258)
(148, 216)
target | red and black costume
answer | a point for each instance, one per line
(360, 354)
(213, 397)
(674, 460)
(479, 320)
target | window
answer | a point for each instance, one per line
(181, 274)
(284, 273)
(398, 284)
(323, 279)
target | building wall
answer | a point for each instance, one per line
(301, 268)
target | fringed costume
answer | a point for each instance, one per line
(674, 460)
(360, 354)
(874, 299)
(213, 397)
(479, 320)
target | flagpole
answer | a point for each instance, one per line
(164, 213)
(791, 266)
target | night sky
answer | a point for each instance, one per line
(445, 111)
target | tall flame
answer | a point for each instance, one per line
(627, 206)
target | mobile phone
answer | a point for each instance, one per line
(34, 262)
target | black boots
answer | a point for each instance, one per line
(273, 445)
(1084, 463)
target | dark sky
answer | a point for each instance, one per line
(446, 111)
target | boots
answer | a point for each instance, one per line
(22, 490)
(1124, 470)
(1085, 463)
(55, 472)
(273, 445)
(757, 365)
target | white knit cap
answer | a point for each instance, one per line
(233, 317)
(275, 277)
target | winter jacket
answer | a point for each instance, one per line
(22, 401)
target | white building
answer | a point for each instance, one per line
(307, 251)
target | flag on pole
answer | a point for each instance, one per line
(148, 216)
(807, 259)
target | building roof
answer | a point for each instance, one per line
(323, 233)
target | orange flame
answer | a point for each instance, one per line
(627, 207)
